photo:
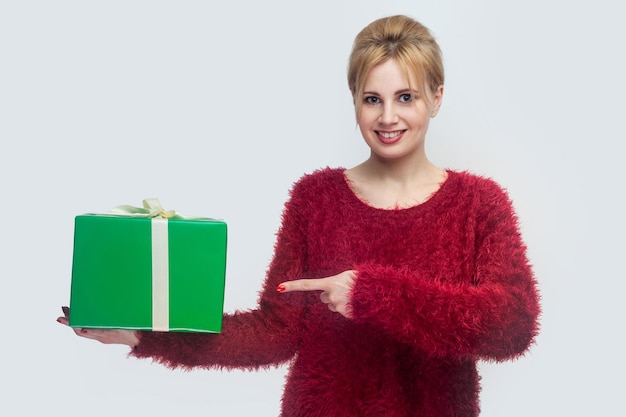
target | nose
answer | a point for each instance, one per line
(388, 114)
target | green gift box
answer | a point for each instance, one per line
(148, 273)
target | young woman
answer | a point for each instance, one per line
(389, 279)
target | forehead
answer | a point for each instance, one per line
(390, 76)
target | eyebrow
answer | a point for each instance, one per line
(403, 91)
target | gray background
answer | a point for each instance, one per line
(216, 108)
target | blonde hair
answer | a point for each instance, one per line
(395, 37)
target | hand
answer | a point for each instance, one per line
(336, 290)
(106, 336)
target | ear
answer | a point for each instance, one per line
(437, 98)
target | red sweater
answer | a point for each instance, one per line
(440, 285)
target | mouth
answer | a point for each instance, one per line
(389, 137)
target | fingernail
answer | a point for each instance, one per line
(280, 288)
(84, 330)
(59, 321)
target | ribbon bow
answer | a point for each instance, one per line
(151, 208)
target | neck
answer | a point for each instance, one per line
(404, 170)
(391, 184)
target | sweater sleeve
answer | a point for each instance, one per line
(250, 339)
(492, 315)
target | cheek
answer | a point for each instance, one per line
(367, 117)
(367, 132)
(419, 116)
(363, 130)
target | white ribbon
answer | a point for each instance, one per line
(151, 208)
(160, 275)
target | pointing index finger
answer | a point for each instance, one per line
(313, 284)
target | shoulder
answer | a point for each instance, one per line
(474, 181)
(484, 195)
(323, 180)
(314, 191)
(481, 186)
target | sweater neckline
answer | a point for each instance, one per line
(419, 206)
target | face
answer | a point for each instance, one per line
(393, 118)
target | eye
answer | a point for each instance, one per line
(371, 100)
(405, 98)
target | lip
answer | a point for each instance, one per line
(389, 140)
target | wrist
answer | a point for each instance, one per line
(133, 339)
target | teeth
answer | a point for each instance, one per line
(388, 135)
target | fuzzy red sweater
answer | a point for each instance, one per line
(440, 285)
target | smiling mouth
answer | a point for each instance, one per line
(389, 135)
